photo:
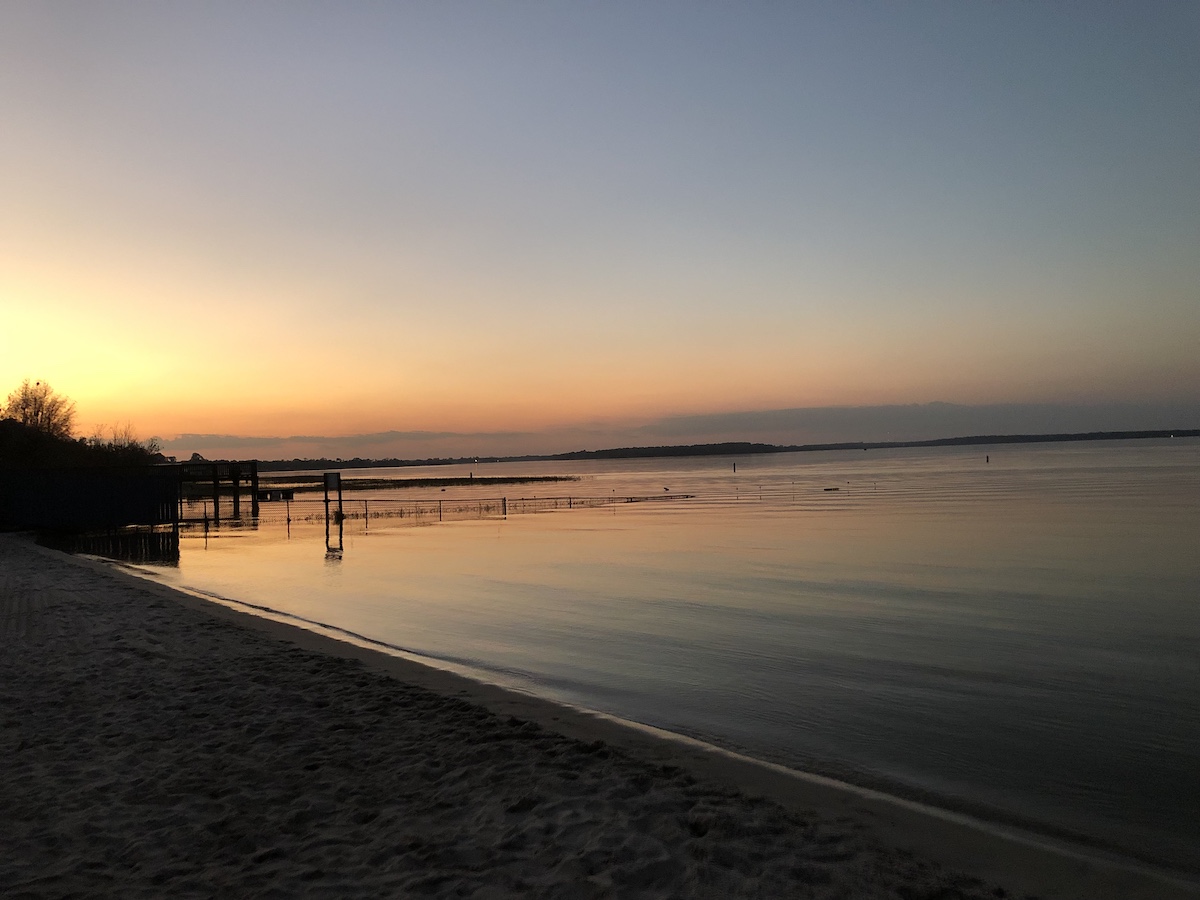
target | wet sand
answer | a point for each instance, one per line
(156, 744)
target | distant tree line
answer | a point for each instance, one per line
(325, 464)
(37, 428)
(730, 448)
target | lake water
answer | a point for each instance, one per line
(1018, 638)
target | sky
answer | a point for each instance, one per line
(455, 228)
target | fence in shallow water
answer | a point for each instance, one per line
(414, 511)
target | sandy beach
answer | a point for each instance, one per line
(156, 744)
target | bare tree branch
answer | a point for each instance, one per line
(38, 406)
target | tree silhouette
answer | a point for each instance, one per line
(38, 406)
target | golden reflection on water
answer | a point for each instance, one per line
(430, 587)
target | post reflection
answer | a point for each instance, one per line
(334, 546)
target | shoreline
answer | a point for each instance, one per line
(919, 825)
(561, 714)
(881, 841)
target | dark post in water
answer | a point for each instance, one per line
(333, 482)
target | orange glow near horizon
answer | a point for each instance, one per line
(168, 362)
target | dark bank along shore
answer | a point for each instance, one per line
(158, 744)
(728, 448)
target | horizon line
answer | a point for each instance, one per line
(744, 448)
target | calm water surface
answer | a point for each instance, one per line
(1019, 638)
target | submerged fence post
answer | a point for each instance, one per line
(216, 494)
(504, 506)
(254, 488)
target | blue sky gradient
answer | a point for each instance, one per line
(340, 219)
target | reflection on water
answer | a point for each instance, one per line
(1009, 629)
(149, 545)
(335, 536)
